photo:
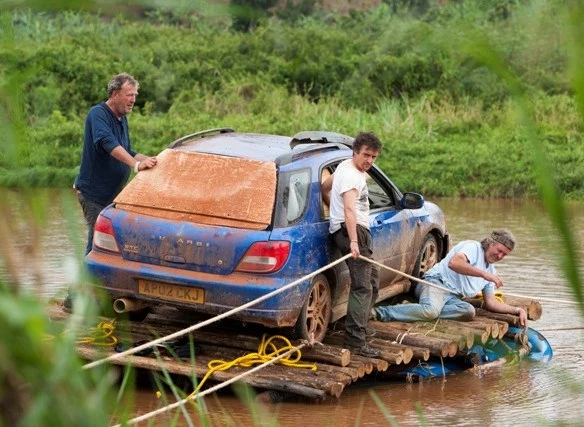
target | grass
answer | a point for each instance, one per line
(503, 121)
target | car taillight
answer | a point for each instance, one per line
(264, 257)
(103, 235)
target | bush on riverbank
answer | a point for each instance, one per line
(446, 120)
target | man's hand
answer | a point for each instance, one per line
(522, 317)
(494, 278)
(147, 163)
(355, 249)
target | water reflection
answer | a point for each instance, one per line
(528, 394)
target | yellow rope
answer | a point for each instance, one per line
(100, 335)
(498, 296)
(262, 356)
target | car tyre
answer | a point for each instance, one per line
(315, 315)
(427, 257)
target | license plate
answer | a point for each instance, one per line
(170, 292)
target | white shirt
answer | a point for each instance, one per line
(347, 177)
(468, 286)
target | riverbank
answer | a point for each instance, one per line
(426, 84)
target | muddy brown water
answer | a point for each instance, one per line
(530, 393)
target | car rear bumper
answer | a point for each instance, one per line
(222, 293)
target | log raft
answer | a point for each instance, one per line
(400, 344)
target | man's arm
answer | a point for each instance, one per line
(123, 156)
(325, 189)
(459, 263)
(492, 304)
(350, 203)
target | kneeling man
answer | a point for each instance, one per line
(466, 270)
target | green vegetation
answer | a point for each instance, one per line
(471, 98)
(447, 120)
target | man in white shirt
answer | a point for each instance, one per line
(466, 270)
(349, 226)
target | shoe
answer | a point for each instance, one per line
(372, 314)
(365, 351)
(370, 332)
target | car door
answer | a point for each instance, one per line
(392, 228)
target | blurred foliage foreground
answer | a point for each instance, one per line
(467, 99)
(409, 74)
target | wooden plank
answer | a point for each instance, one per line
(180, 188)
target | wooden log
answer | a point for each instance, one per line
(465, 336)
(464, 339)
(482, 329)
(353, 373)
(406, 352)
(532, 308)
(327, 354)
(388, 355)
(503, 328)
(420, 329)
(318, 352)
(517, 337)
(499, 327)
(327, 381)
(360, 367)
(508, 318)
(418, 353)
(436, 346)
(199, 370)
(365, 363)
(377, 364)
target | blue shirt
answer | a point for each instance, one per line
(101, 176)
(468, 286)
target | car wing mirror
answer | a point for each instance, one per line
(412, 201)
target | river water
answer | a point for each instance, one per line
(530, 393)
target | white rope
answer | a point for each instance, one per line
(212, 389)
(561, 301)
(213, 319)
(417, 279)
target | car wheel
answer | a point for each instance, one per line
(316, 312)
(427, 257)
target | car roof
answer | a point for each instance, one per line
(274, 148)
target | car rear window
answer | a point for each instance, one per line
(204, 188)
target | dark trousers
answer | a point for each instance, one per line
(91, 211)
(364, 285)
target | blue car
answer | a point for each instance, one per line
(226, 217)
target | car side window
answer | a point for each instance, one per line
(296, 194)
(378, 196)
(326, 173)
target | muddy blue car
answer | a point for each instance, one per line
(227, 217)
